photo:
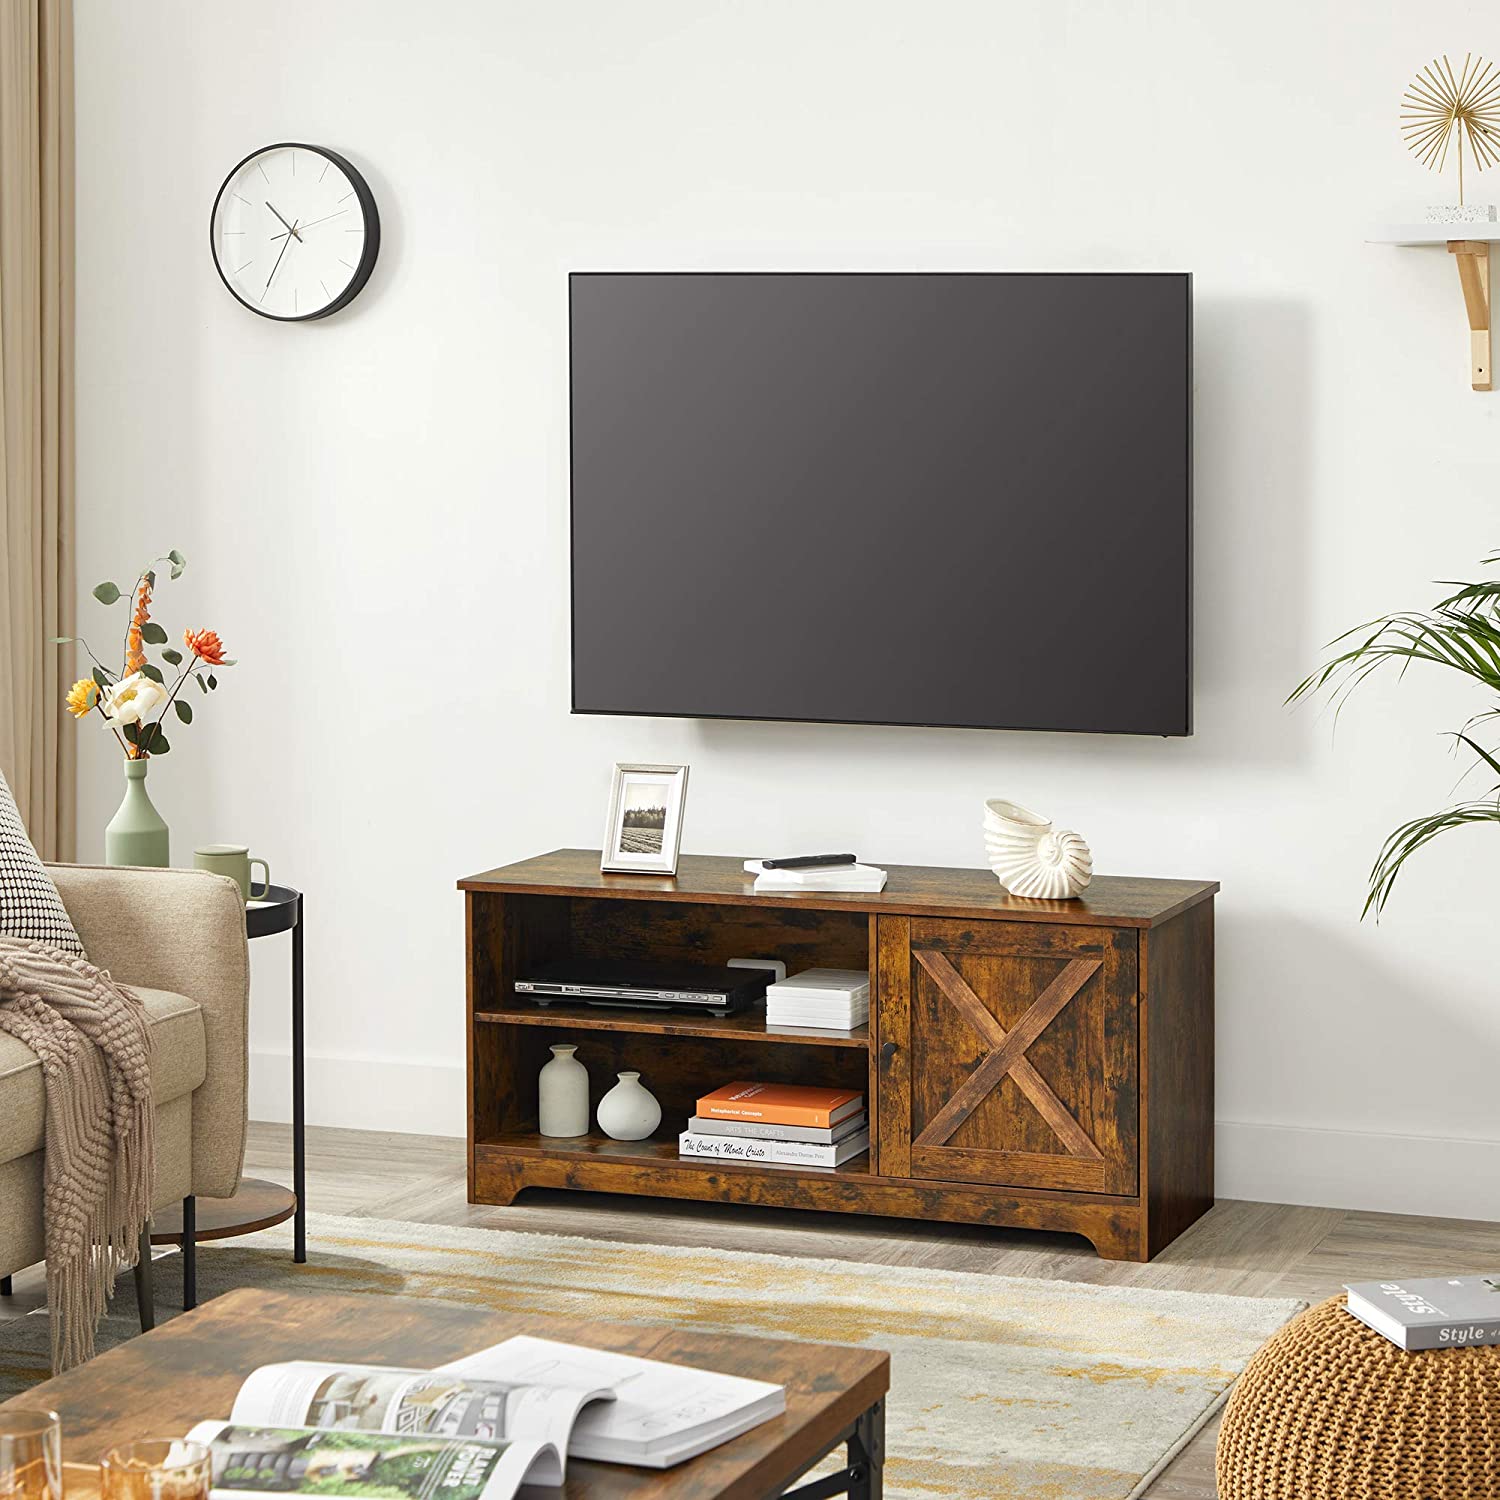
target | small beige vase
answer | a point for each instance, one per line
(563, 1095)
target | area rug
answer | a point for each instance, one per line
(1003, 1388)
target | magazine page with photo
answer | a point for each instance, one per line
(275, 1461)
(376, 1398)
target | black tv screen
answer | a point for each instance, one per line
(943, 499)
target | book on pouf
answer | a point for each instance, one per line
(1434, 1312)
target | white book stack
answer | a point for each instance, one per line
(816, 878)
(826, 999)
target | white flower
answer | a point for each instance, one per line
(133, 699)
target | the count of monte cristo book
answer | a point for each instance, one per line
(781, 1104)
(1435, 1312)
(478, 1429)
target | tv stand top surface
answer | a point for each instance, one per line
(912, 890)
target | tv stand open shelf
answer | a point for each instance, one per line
(1038, 1064)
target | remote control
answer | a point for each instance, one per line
(807, 861)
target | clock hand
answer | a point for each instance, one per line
(291, 228)
(323, 220)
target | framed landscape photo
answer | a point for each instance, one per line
(645, 820)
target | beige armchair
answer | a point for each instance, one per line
(178, 938)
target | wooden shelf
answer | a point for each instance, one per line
(747, 1026)
(654, 1153)
(1469, 245)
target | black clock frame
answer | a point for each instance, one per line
(371, 236)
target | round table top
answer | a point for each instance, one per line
(276, 911)
(257, 1205)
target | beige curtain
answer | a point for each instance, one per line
(36, 414)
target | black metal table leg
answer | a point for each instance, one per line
(4, 1286)
(145, 1292)
(867, 1451)
(189, 1253)
(862, 1477)
(299, 1123)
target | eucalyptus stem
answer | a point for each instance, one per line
(183, 676)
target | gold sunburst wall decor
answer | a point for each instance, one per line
(1440, 108)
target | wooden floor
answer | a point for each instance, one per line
(1249, 1249)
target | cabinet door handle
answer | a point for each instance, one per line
(888, 1051)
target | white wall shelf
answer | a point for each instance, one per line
(1469, 245)
(1433, 234)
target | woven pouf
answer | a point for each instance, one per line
(1330, 1410)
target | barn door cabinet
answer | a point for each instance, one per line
(1034, 1064)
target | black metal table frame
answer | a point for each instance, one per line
(264, 921)
(862, 1477)
(284, 914)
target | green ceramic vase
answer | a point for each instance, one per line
(136, 835)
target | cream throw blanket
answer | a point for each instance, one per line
(95, 1047)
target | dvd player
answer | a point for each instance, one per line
(639, 983)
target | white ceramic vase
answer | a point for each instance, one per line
(629, 1111)
(563, 1095)
(1032, 858)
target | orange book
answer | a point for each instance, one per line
(781, 1104)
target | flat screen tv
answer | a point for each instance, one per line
(873, 498)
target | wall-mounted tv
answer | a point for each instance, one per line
(873, 498)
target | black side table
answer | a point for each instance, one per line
(281, 911)
(258, 1204)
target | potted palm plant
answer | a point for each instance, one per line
(1460, 632)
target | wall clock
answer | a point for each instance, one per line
(294, 232)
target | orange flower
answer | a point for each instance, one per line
(135, 646)
(82, 697)
(205, 645)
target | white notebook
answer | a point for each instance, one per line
(818, 877)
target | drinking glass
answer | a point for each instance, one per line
(155, 1469)
(30, 1455)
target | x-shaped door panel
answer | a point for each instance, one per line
(1009, 1055)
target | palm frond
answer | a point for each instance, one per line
(1473, 595)
(1480, 751)
(1410, 837)
(1461, 633)
(1455, 639)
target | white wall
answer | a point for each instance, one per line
(375, 507)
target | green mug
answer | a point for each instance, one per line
(234, 861)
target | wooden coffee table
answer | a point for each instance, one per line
(159, 1384)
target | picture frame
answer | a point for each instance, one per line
(644, 831)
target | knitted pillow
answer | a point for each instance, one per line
(29, 904)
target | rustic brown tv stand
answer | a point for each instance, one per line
(1042, 1064)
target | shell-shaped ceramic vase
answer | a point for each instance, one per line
(1032, 858)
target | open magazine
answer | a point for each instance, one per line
(477, 1429)
(661, 1414)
